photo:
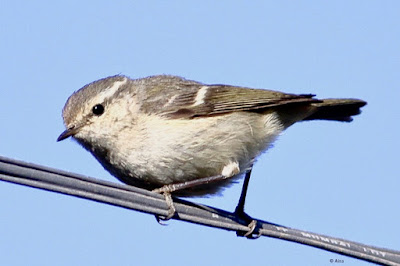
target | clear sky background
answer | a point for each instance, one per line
(331, 178)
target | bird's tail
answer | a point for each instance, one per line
(336, 109)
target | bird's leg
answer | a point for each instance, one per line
(171, 208)
(240, 206)
(166, 190)
(239, 210)
(229, 170)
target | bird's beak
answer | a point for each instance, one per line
(68, 132)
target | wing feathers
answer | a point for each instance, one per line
(217, 99)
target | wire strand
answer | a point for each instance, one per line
(133, 198)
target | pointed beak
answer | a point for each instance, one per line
(67, 133)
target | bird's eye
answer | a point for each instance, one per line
(98, 109)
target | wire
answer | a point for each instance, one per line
(130, 197)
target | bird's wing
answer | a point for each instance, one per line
(182, 98)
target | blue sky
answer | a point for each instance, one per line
(331, 178)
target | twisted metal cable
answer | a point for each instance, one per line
(133, 198)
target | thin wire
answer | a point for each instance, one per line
(129, 197)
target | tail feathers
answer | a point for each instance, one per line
(337, 109)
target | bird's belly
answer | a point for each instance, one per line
(184, 150)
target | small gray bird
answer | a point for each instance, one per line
(184, 137)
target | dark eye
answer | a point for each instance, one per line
(98, 109)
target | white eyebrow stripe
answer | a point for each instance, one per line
(110, 91)
(201, 94)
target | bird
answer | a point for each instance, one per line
(181, 137)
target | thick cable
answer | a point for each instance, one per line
(129, 197)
